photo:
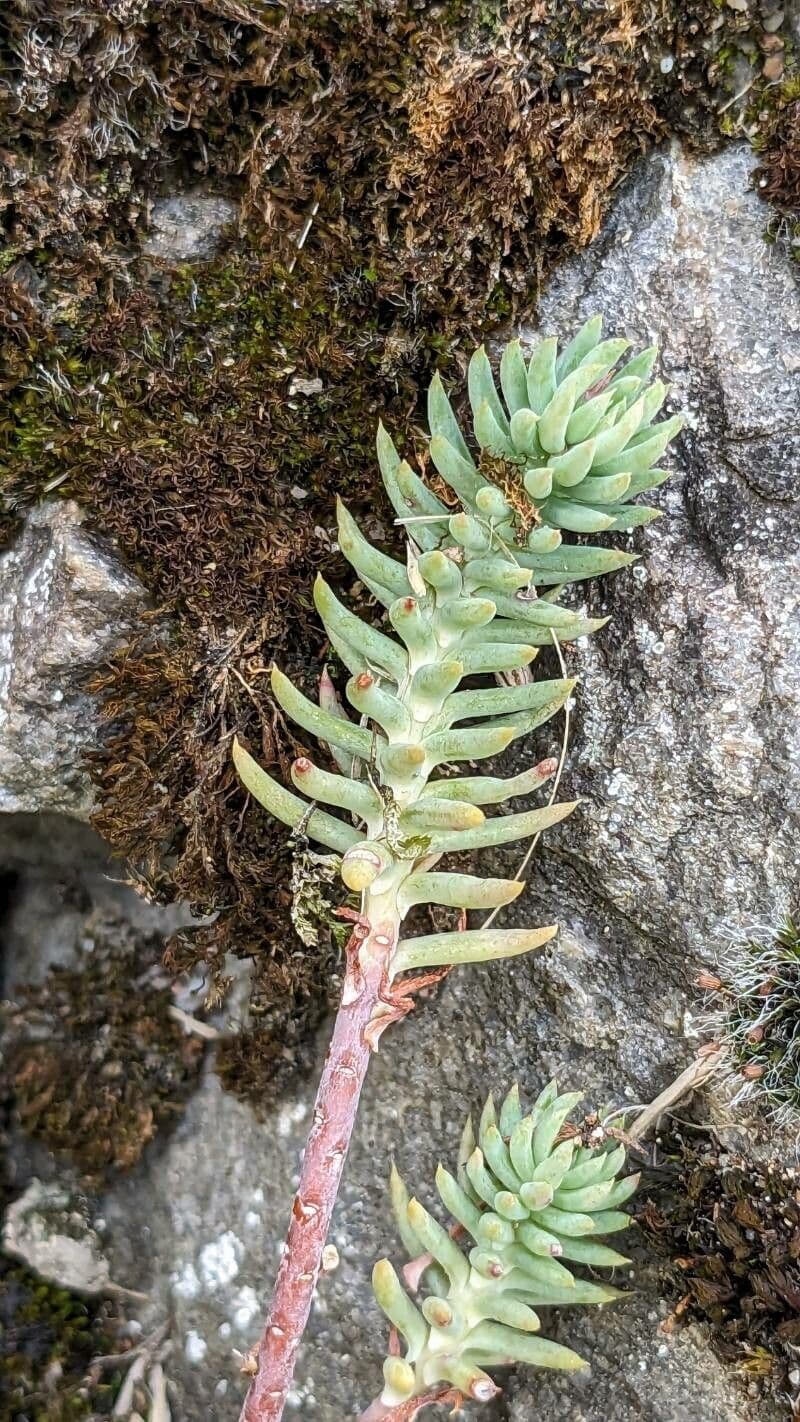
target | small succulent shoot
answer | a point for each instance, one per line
(566, 445)
(411, 719)
(753, 1012)
(533, 1199)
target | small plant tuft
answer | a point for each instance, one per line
(754, 1013)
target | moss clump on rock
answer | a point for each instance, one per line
(48, 1339)
(94, 1063)
(730, 1228)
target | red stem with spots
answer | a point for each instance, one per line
(335, 1109)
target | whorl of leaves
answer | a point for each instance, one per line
(533, 1199)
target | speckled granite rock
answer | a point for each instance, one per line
(689, 740)
(686, 749)
(187, 227)
(65, 603)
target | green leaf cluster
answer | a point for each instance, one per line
(533, 1199)
(566, 444)
(407, 720)
(466, 603)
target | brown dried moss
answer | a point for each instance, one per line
(445, 156)
(730, 1228)
(777, 177)
(95, 1065)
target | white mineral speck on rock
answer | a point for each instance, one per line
(246, 1307)
(290, 1116)
(186, 1283)
(195, 1348)
(219, 1260)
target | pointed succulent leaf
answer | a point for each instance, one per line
(489, 433)
(498, 658)
(495, 1339)
(565, 1222)
(514, 1313)
(585, 1291)
(542, 1269)
(601, 489)
(520, 1148)
(330, 702)
(482, 390)
(457, 1201)
(366, 694)
(542, 375)
(509, 1205)
(476, 945)
(550, 1124)
(429, 814)
(640, 366)
(585, 418)
(496, 1154)
(289, 808)
(458, 891)
(393, 1299)
(484, 1185)
(503, 829)
(441, 419)
(552, 428)
(510, 1111)
(640, 455)
(538, 483)
(371, 565)
(401, 1199)
(514, 378)
(340, 790)
(576, 518)
(437, 1242)
(631, 516)
(378, 649)
(491, 789)
(582, 344)
(468, 743)
(588, 1251)
(497, 701)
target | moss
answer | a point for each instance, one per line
(94, 1063)
(729, 1230)
(439, 158)
(48, 1339)
(753, 1012)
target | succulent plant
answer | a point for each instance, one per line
(533, 1200)
(753, 1012)
(573, 444)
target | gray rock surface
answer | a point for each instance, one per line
(187, 227)
(48, 1230)
(686, 749)
(65, 603)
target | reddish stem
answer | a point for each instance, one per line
(335, 1108)
(407, 1411)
